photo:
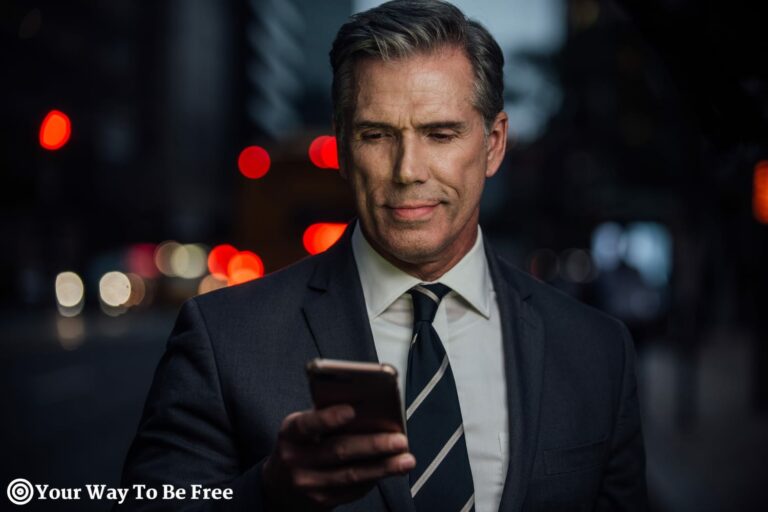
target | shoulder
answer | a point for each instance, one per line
(567, 322)
(278, 285)
(585, 351)
(276, 297)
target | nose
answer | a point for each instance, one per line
(411, 165)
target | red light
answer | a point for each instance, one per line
(316, 151)
(140, 259)
(55, 130)
(244, 266)
(319, 237)
(218, 260)
(253, 162)
(330, 153)
(760, 192)
(323, 152)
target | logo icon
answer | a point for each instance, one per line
(20, 491)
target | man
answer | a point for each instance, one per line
(517, 397)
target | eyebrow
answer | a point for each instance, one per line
(458, 126)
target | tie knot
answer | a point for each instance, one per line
(426, 298)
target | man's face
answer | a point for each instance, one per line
(417, 156)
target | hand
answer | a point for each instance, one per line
(315, 467)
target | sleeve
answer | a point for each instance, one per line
(185, 435)
(624, 486)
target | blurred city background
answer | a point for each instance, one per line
(152, 151)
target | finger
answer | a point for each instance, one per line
(307, 426)
(356, 474)
(350, 448)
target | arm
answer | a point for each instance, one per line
(185, 435)
(623, 486)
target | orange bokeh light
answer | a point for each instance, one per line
(253, 162)
(760, 192)
(319, 237)
(219, 258)
(55, 130)
(323, 152)
(241, 276)
(244, 266)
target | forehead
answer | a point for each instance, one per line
(422, 85)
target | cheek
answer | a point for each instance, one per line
(363, 185)
(368, 175)
(463, 172)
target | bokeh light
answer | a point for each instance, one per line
(114, 289)
(319, 237)
(163, 254)
(70, 331)
(329, 153)
(218, 260)
(576, 266)
(648, 249)
(316, 151)
(210, 283)
(69, 289)
(608, 245)
(188, 261)
(760, 192)
(323, 152)
(244, 266)
(55, 130)
(70, 311)
(253, 162)
(140, 259)
(643, 246)
(113, 311)
(138, 290)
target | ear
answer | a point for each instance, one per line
(496, 145)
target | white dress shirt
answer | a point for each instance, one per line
(469, 325)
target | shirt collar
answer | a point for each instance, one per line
(383, 283)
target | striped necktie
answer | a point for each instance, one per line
(442, 478)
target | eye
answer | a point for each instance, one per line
(442, 136)
(373, 136)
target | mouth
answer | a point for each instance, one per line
(412, 212)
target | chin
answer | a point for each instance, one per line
(413, 247)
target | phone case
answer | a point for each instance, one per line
(370, 388)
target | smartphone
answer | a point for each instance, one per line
(370, 388)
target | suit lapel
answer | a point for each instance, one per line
(339, 324)
(336, 313)
(523, 336)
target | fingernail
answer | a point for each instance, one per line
(398, 442)
(407, 462)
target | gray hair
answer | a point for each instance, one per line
(402, 28)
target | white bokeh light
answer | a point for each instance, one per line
(189, 261)
(69, 289)
(114, 288)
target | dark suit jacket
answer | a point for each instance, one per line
(234, 368)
